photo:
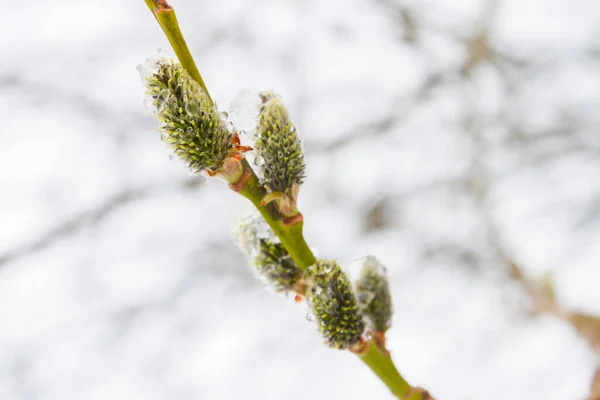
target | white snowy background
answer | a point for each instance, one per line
(459, 141)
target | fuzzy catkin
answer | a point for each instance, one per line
(278, 145)
(333, 304)
(266, 253)
(274, 262)
(191, 124)
(373, 293)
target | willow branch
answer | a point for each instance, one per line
(166, 18)
(376, 358)
(289, 232)
(290, 235)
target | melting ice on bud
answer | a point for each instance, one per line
(266, 253)
(373, 293)
(277, 143)
(191, 124)
(333, 304)
(151, 65)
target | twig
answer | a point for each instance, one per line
(290, 234)
(166, 18)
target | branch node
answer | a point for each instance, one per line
(239, 185)
(162, 6)
(293, 220)
(419, 393)
(379, 339)
(360, 347)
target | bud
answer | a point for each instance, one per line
(278, 145)
(266, 253)
(191, 124)
(333, 303)
(373, 292)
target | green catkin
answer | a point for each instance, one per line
(266, 254)
(278, 145)
(191, 124)
(333, 304)
(373, 293)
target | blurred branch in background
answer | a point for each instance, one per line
(529, 146)
(89, 218)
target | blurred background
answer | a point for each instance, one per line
(458, 141)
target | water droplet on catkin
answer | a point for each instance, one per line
(162, 99)
(192, 108)
(259, 161)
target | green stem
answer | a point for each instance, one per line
(383, 366)
(165, 15)
(376, 358)
(291, 236)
